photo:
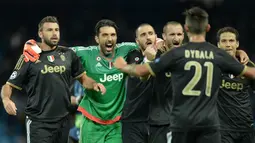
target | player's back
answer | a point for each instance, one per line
(196, 78)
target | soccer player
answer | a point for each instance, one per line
(196, 69)
(47, 82)
(134, 119)
(102, 113)
(161, 101)
(234, 106)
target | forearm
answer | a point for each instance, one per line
(87, 82)
(136, 70)
(6, 92)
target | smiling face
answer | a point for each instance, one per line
(228, 42)
(145, 36)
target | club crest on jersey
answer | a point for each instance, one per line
(14, 75)
(231, 76)
(51, 58)
(98, 59)
(136, 59)
(62, 57)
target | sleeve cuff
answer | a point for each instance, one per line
(244, 70)
(14, 86)
(80, 75)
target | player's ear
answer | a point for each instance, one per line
(237, 44)
(137, 41)
(164, 36)
(40, 34)
(208, 27)
(97, 39)
(186, 28)
(156, 37)
(218, 44)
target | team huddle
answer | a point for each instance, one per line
(151, 91)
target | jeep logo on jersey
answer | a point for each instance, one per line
(53, 69)
(114, 77)
(231, 85)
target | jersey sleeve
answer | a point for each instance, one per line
(163, 63)
(77, 68)
(228, 64)
(19, 74)
(127, 47)
(78, 50)
(252, 81)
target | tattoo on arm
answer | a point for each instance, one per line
(130, 69)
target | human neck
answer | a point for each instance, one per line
(46, 47)
(196, 38)
(108, 57)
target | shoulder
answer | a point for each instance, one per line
(83, 48)
(136, 51)
(126, 44)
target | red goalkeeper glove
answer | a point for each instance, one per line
(31, 51)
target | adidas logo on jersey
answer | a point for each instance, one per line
(98, 65)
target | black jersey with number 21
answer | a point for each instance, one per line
(196, 74)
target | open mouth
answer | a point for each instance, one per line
(148, 43)
(109, 47)
(176, 43)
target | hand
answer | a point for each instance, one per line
(31, 51)
(119, 63)
(244, 58)
(99, 87)
(150, 53)
(78, 99)
(10, 107)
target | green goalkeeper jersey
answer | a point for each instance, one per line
(107, 108)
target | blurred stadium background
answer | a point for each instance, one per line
(19, 19)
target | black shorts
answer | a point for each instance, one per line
(237, 137)
(199, 136)
(47, 132)
(158, 133)
(136, 132)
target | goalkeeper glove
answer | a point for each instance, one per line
(31, 51)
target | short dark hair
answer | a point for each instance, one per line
(227, 29)
(170, 23)
(141, 25)
(46, 19)
(196, 20)
(103, 23)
